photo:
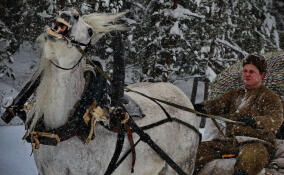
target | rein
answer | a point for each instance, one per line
(144, 136)
(115, 161)
(63, 68)
(159, 100)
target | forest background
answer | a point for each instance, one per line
(166, 40)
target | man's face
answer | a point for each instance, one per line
(251, 76)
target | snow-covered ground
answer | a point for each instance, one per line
(15, 153)
(15, 156)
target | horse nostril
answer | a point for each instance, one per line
(90, 32)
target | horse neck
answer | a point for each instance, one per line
(58, 93)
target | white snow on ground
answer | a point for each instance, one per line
(15, 156)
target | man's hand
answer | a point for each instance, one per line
(248, 121)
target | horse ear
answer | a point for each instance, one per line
(102, 23)
(75, 14)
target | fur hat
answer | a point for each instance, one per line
(258, 61)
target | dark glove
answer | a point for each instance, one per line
(248, 121)
(200, 108)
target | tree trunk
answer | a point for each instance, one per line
(118, 70)
(278, 12)
(175, 4)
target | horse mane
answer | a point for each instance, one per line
(102, 23)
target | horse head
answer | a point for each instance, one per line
(61, 66)
(73, 27)
(87, 28)
(70, 29)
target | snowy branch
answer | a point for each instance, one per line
(234, 47)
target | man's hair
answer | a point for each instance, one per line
(258, 61)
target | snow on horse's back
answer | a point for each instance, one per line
(59, 90)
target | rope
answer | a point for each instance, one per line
(63, 68)
(159, 100)
(147, 139)
(186, 108)
(118, 148)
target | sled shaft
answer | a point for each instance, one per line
(22, 97)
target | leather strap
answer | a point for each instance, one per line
(118, 148)
(130, 138)
(147, 139)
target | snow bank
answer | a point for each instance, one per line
(15, 156)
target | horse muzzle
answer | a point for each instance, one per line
(61, 29)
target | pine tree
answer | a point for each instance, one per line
(166, 39)
(180, 38)
(278, 12)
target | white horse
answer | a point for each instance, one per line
(59, 90)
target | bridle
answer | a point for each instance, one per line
(78, 47)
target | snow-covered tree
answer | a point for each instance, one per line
(176, 37)
(166, 39)
(20, 21)
(278, 12)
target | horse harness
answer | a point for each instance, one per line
(130, 127)
(76, 127)
(115, 161)
(70, 40)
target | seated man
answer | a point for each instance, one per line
(255, 105)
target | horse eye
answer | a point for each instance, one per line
(65, 17)
(90, 32)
